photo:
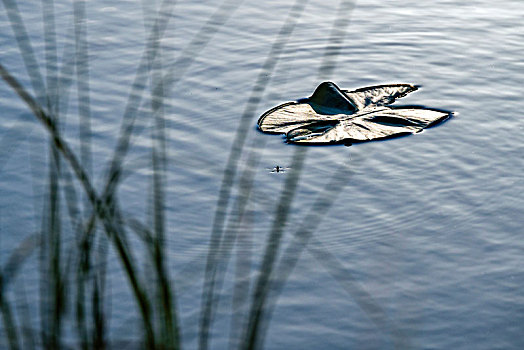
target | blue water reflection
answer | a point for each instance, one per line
(407, 243)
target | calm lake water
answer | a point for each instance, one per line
(415, 242)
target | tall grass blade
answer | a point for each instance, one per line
(26, 49)
(53, 277)
(27, 53)
(231, 166)
(255, 329)
(83, 248)
(133, 103)
(7, 274)
(82, 80)
(51, 57)
(50, 126)
(302, 236)
(28, 334)
(85, 241)
(310, 223)
(238, 231)
(179, 67)
(99, 318)
(253, 339)
(177, 70)
(336, 39)
(114, 232)
(114, 171)
(16, 260)
(9, 323)
(165, 293)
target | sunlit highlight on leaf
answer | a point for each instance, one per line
(335, 115)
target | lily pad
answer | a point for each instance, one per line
(335, 115)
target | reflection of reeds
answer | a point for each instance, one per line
(76, 273)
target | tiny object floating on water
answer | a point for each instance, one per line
(335, 115)
(279, 169)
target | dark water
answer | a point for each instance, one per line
(415, 242)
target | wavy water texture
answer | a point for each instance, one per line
(142, 209)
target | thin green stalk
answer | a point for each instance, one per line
(82, 75)
(99, 322)
(235, 232)
(55, 283)
(100, 317)
(165, 293)
(100, 208)
(179, 67)
(252, 339)
(27, 332)
(51, 57)
(53, 230)
(208, 293)
(26, 49)
(81, 63)
(9, 323)
(82, 274)
(7, 275)
(255, 330)
(301, 238)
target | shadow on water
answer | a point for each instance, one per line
(73, 262)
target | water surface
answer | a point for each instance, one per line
(420, 245)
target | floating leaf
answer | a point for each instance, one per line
(335, 115)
